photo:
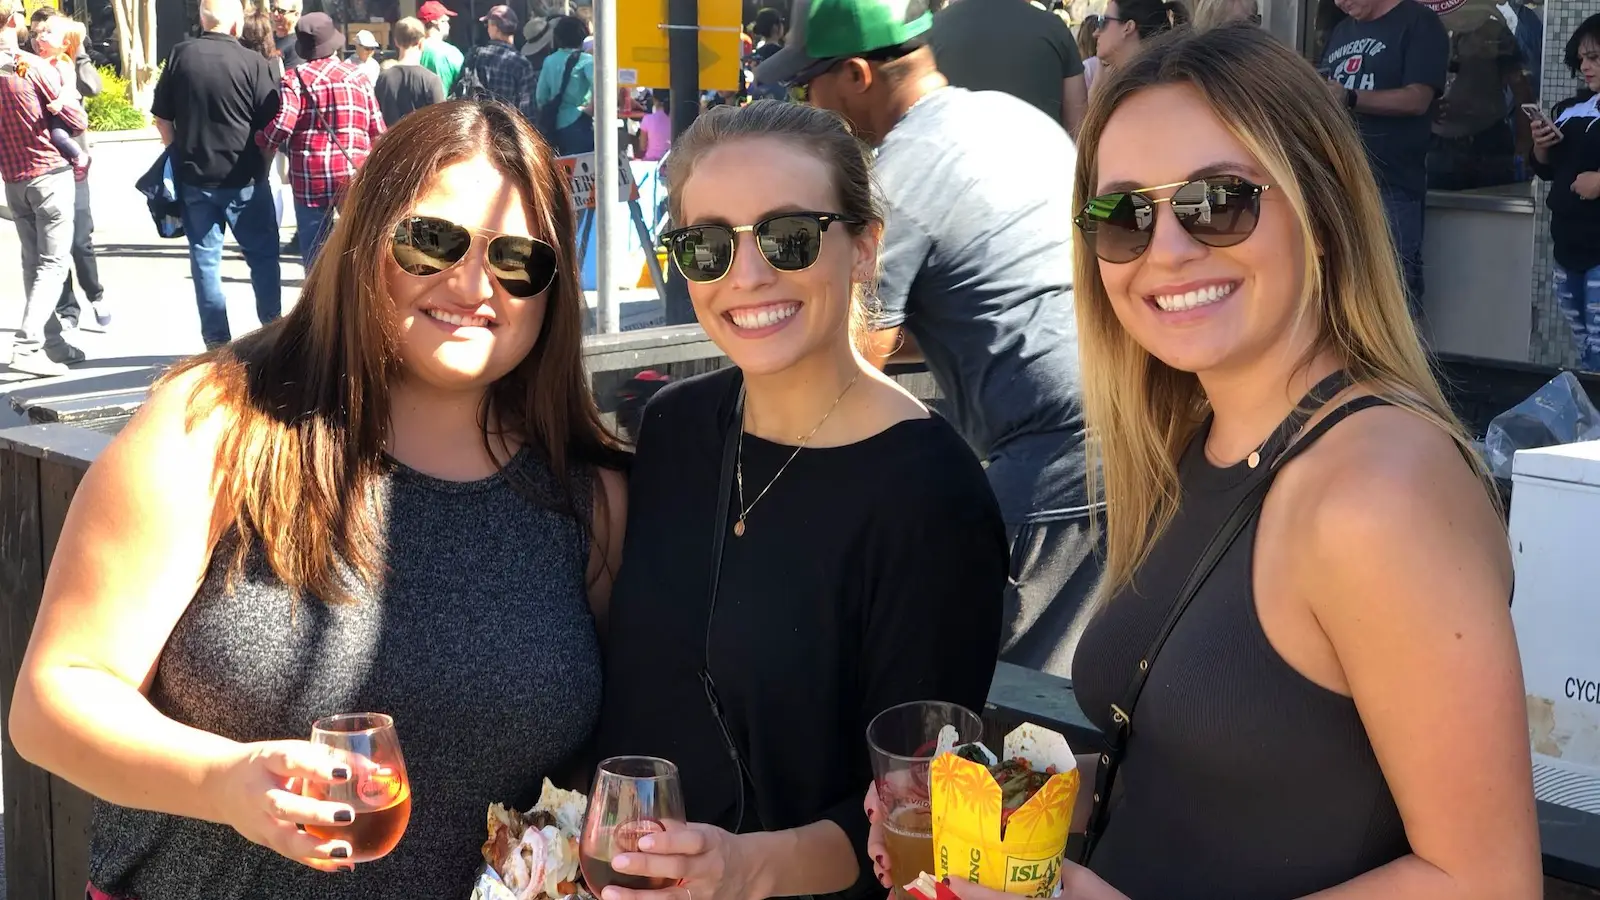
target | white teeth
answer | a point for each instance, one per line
(459, 321)
(763, 318)
(1192, 299)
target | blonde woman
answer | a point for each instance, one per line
(1336, 710)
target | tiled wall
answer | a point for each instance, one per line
(1551, 341)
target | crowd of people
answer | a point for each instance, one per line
(261, 104)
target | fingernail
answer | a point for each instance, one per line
(872, 815)
(622, 862)
(340, 773)
(340, 853)
(300, 828)
(879, 860)
(344, 816)
(945, 881)
(647, 843)
(345, 870)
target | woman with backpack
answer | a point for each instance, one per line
(565, 90)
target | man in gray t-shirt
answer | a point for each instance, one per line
(976, 276)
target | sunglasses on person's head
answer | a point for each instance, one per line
(1218, 211)
(425, 245)
(789, 242)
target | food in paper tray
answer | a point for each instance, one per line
(534, 855)
(1002, 822)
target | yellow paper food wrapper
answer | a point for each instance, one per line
(967, 841)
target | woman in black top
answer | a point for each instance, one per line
(863, 556)
(1338, 711)
(1566, 153)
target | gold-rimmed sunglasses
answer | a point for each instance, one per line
(1218, 211)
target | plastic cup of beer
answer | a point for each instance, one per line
(903, 740)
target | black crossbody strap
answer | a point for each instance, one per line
(317, 119)
(733, 426)
(1121, 725)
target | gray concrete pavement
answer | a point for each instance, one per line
(147, 283)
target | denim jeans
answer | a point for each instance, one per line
(247, 212)
(41, 210)
(1405, 226)
(313, 224)
(83, 258)
(1578, 294)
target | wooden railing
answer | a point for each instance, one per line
(46, 818)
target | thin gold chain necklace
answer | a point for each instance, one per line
(738, 470)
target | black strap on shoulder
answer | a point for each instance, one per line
(732, 425)
(1116, 735)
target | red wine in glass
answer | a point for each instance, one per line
(633, 796)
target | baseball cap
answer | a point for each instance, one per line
(503, 18)
(365, 39)
(822, 32)
(434, 11)
(317, 37)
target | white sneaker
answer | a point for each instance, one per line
(37, 364)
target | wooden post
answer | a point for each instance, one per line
(28, 810)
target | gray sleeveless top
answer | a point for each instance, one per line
(480, 644)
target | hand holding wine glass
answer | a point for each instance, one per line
(257, 794)
(633, 797)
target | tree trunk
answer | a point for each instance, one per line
(136, 38)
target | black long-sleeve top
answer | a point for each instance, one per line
(1574, 221)
(870, 575)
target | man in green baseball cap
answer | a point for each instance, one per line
(827, 32)
(975, 278)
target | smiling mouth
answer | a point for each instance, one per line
(1214, 293)
(457, 320)
(751, 318)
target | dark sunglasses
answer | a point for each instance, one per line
(1101, 22)
(1218, 211)
(789, 242)
(424, 245)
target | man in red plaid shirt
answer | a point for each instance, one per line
(39, 192)
(329, 118)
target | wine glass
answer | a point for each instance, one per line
(377, 789)
(633, 796)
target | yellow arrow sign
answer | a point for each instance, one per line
(642, 56)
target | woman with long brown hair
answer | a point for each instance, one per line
(1303, 656)
(399, 498)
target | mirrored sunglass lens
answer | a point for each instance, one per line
(1118, 225)
(426, 246)
(524, 266)
(790, 243)
(1218, 212)
(704, 253)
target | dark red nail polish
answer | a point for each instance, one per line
(340, 773)
(300, 828)
(945, 881)
(345, 870)
(344, 817)
(340, 853)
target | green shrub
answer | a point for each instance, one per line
(112, 109)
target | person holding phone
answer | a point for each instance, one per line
(1566, 153)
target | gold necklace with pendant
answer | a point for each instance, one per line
(738, 527)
